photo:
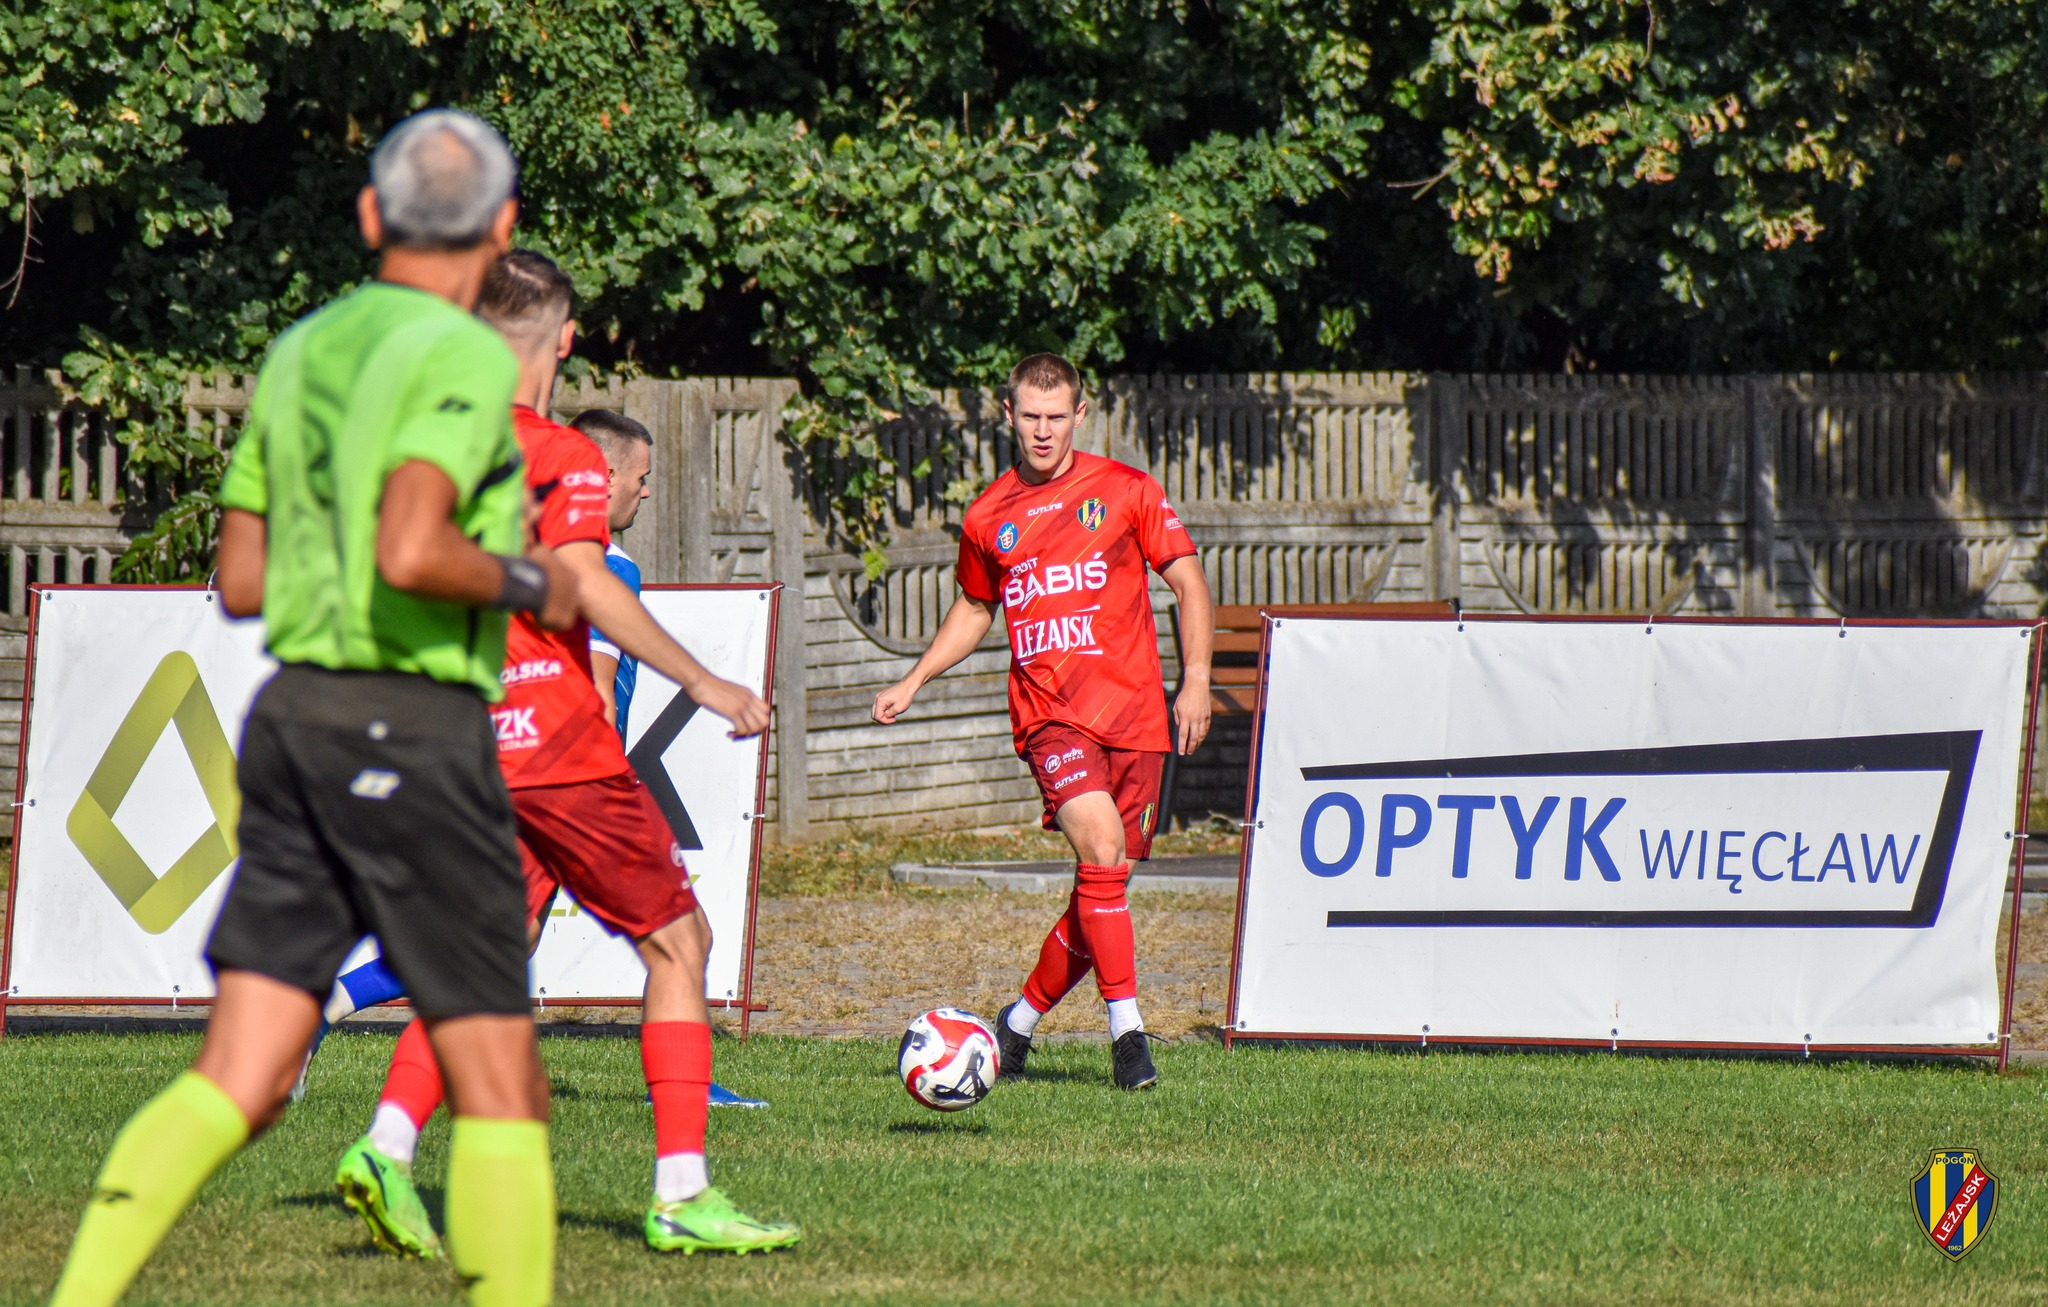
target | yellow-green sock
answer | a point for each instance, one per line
(156, 1165)
(501, 1211)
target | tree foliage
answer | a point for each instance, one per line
(890, 197)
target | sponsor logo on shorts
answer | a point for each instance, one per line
(1092, 513)
(1146, 817)
(156, 899)
(371, 784)
(538, 669)
(515, 728)
(1054, 761)
(1068, 779)
(1006, 537)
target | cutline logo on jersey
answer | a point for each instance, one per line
(573, 478)
(539, 669)
(515, 729)
(1054, 507)
(1092, 513)
(1006, 537)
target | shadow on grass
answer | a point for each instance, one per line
(622, 1227)
(1060, 1076)
(314, 1201)
(937, 1127)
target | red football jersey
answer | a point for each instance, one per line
(1067, 559)
(551, 727)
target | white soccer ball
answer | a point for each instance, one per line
(948, 1059)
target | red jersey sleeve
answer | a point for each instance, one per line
(574, 493)
(980, 576)
(1160, 535)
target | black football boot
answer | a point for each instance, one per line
(1131, 1059)
(1012, 1049)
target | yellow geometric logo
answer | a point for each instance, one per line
(174, 694)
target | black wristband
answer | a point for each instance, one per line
(526, 584)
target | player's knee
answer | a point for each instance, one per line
(680, 947)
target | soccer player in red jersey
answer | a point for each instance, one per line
(586, 823)
(1061, 543)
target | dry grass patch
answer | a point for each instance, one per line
(865, 965)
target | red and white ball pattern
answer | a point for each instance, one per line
(948, 1059)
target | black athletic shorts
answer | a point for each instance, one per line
(372, 804)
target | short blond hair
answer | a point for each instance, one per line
(1046, 372)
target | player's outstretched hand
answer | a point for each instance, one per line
(564, 603)
(892, 702)
(1191, 718)
(747, 711)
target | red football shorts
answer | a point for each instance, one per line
(1068, 763)
(606, 842)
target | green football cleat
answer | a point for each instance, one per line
(380, 1190)
(709, 1223)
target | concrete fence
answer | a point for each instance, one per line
(1860, 496)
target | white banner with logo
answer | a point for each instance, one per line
(137, 698)
(1721, 833)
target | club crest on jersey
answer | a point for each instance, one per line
(1006, 537)
(1954, 1199)
(1092, 513)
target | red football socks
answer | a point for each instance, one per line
(1106, 927)
(676, 1055)
(413, 1085)
(1063, 961)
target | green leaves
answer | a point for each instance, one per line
(889, 199)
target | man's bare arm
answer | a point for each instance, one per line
(613, 608)
(967, 621)
(238, 568)
(421, 551)
(1191, 707)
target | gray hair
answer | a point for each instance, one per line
(441, 177)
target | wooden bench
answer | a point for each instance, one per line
(1234, 661)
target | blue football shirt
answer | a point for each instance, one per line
(622, 566)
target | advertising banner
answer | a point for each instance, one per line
(1764, 834)
(125, 842)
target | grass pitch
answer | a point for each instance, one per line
(1256, 1175)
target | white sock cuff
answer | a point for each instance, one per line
(1123, 1017)
(393, 1134)
(1023, 1017)
(680, 1177)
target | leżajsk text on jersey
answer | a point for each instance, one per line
(1067, 561)
(551, 727)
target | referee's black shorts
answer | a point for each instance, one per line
(372, 804)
